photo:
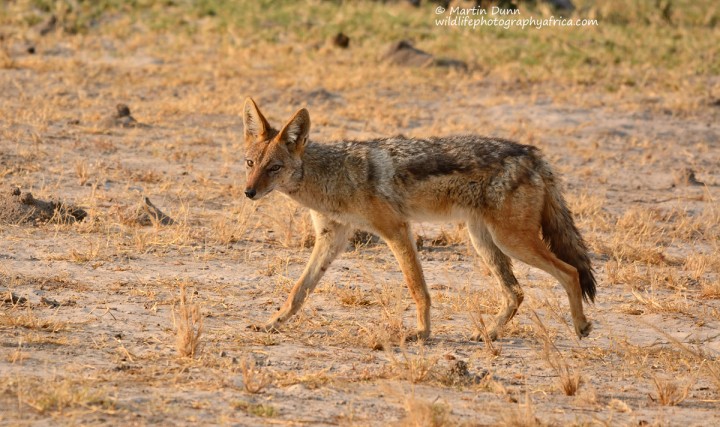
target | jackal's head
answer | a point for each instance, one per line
(273, 159)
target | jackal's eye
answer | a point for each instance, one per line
(275, 168)
(250, 163)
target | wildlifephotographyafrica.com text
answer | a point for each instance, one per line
(474, 17)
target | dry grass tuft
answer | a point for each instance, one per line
(669, 392)
(489, 384)
(254, 378)
(189, 326)
(18, 355)
(619, 406)
(29, 320)
(523, 415)
(6, 59)
(713, 368)
(82, 171)
(421, 413)
(61, 395)
(702, 360)
(353, 296)
(391, 331)
(569, 381)
(414, 368)
(710, 289)
(311, 379)
(491, 347)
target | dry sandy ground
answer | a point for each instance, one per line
(94, 341)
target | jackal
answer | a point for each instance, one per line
(505, 192)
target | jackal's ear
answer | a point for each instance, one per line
(256, 126)
(296, 131)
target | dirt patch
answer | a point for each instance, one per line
(22, 208)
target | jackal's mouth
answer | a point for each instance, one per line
(254, 195)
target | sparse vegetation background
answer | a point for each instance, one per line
(136, 312)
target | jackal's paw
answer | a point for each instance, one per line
(479, 336)
(268, 327)
(583, 329)
(417, 336)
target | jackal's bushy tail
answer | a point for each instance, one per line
(562, 236)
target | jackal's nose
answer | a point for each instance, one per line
(250, 193)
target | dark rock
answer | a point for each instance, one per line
(48, 25)
(363, 238)
(403, 53)
(122, 118)
(23, 208)
(686, 177)
(450, 63)
(149, 214)
(11, 298)
(50, 302)
(319, 96)
(341, 40)
(562, 4)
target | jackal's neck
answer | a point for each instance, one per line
(318, 177)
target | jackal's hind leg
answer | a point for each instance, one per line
(526, 246)
(500, 266)
(330, 239)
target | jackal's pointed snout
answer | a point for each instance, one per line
(250, 193)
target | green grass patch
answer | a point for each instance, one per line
(255, 409)
(650, 40)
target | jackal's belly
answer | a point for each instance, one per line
(367, 213)
(436, 211)
(440, 216)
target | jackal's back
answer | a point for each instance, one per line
(430, 176)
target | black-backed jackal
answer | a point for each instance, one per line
(505, 192)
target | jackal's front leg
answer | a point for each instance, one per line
(330, 239)
(399, 238)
